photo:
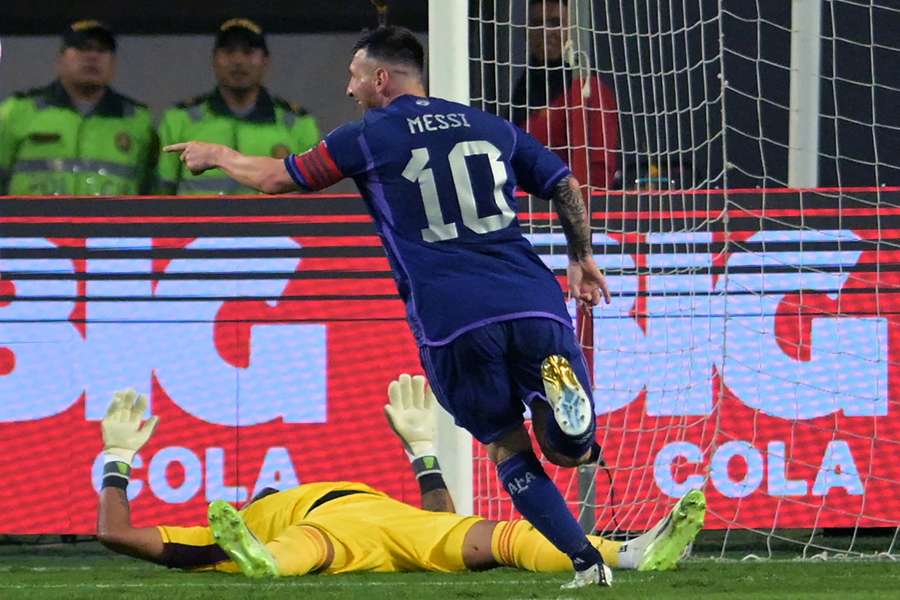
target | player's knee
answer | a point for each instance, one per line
(512, 443)
(560, 460)
(476, 553)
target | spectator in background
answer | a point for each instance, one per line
(239, 113)
(573, 116)
(77, 135)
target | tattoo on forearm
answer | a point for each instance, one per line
(573, 217)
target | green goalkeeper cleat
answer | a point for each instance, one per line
(239, 543)
(675, 533)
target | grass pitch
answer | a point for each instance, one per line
(86, 570)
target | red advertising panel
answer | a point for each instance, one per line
(749, 349)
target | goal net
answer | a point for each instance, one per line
(738, 156)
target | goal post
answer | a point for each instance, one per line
(806, 57)
(448, 77)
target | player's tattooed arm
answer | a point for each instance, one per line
(587, 284)
(569, 205)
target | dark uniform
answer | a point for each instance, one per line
(49, 146)
(274, 127)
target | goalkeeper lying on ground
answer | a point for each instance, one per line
(342, 527)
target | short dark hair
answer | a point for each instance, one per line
(394, 45)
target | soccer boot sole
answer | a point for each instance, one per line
(571, 406)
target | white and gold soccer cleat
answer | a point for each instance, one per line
(597, 575)
(571, 405)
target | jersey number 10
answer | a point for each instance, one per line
(438, 230)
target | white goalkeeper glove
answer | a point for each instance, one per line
(411, 414)
(123, 435)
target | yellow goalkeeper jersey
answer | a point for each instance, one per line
(369, 530)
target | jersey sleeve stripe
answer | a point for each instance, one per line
(330, 166)
(554, 179)
(515, 137)
(312, 166)
(293, 168)
(318, 167)
(330, 170)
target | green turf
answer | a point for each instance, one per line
(88, 571)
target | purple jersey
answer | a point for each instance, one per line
(438, 178)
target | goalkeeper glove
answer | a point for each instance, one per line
(123, 435)
(411, 414)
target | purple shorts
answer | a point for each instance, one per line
(486, 376)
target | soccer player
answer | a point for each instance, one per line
(489, 317)
(342, 527)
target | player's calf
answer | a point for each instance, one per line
(536, 497)
(572, 457)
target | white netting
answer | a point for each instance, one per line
(746, 350)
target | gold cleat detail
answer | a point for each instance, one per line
(572, 408)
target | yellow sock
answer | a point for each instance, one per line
(518, 544)
(299, 550)
(609, 549)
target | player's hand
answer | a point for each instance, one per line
(198, 156)
(411, 413)
(123, 434)
(587, 282)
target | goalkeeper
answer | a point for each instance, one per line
(343, 527)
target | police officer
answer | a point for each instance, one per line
(239, 113)
(77, 135)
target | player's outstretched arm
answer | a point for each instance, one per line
(586, 280)
(262, 173)
(123, 436)
(411, 414)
